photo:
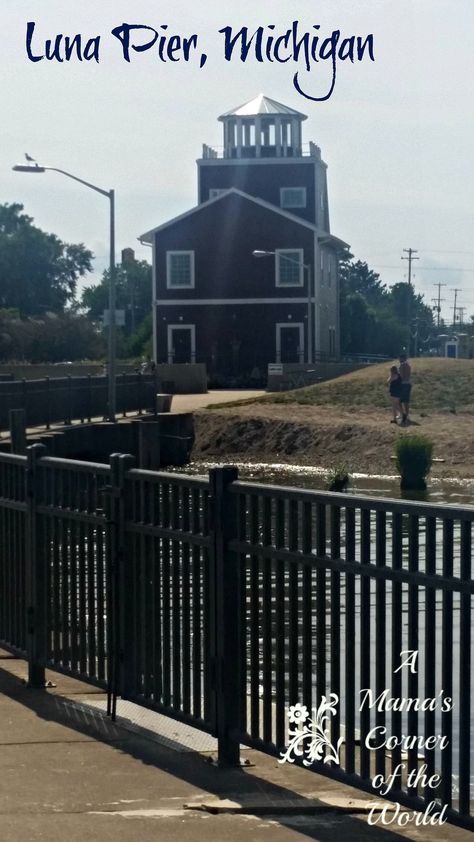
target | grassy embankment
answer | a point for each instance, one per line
(439, 385)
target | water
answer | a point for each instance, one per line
(442, 491)
(452, 491)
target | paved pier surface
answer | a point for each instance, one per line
(70, 775)
(189, 403)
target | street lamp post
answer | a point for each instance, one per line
(307, 269)
(110, 194)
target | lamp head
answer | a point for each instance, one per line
(28, 168)
(260, 253)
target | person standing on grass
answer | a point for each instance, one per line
(394, 387)
(405, 386)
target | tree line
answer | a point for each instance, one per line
(42, 317)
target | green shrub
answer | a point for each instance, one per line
(413, 454)
(338, 478)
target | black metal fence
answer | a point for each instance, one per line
(62, 399)
(224, 603)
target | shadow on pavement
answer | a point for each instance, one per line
(191, 767)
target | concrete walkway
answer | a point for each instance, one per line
(70, 775)
(189, 403)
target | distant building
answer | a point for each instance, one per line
(213, 301)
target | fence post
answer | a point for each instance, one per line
(17, 424)
(117, 588)
(226, 584)
(35, 576)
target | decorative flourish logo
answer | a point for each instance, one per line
(311, 735)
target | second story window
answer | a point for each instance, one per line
(289, 267)
(180, 269)
(214, 192)
(293, 197)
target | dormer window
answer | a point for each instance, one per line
(293, 197)
(214, 192)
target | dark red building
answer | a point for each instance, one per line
(214, 301)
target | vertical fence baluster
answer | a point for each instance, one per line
(320, 604)
(156, 596)
(413, 637)
(185, 601)
(293, 606)
(176, 599)
(430, 648)
(280, 701)
(254, 619)
(447, 665)
(165, 551)
(335, 603)
(465, 672)
(307, 608)
(243, 656)
(267, 658)
(350, 645)
(397, 646)
(380, 625)
(197, 655)
(365, 666)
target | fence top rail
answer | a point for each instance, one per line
(12, 459)
(168, 477)
(354, 501)
(74, 465)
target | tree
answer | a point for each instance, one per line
(49, 338)
(376, 319)
(38, 272)
(356, 278)
(133, 294)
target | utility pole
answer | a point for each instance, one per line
(410, 259)
(438, 301)
(456, 290)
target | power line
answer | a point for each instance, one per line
(429, 268)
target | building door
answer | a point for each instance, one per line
(181, 343)
(289, 343)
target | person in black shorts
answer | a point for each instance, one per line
(394, 388)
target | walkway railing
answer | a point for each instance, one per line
(62, 399)
(224, 603)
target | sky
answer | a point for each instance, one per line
(397, 133)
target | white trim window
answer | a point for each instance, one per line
(214, 192)
(293, 197)
(289, 266)
(180, 270)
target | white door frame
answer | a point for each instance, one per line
(278, 327)
(180, 326)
